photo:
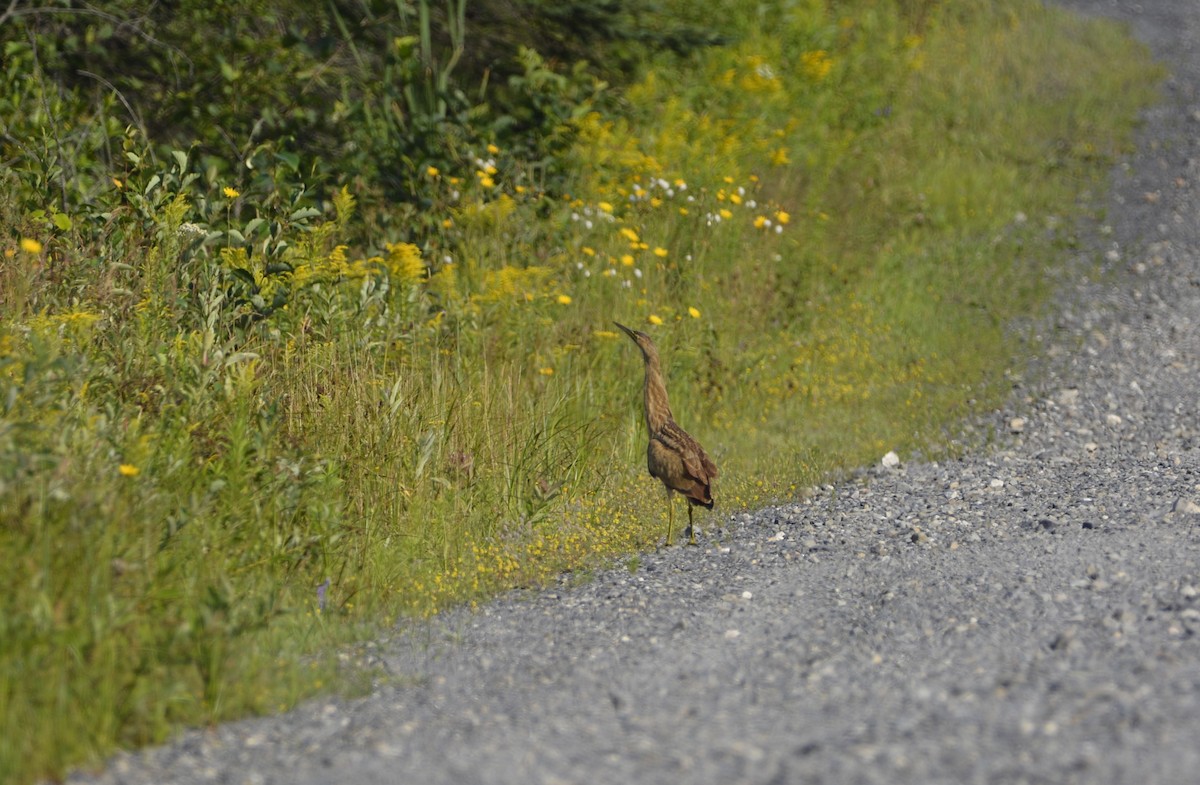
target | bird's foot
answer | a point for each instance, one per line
(691, 533)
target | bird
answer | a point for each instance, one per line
(672, 455)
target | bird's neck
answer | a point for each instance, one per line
(658, 408)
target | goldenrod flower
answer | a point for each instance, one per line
(493, 149)
(627, 260)
(605, 207)
(782, 217)
(735, 198)
(694, 312)
(29, 245)
(432, 171)
(128, 470)
(816, 64)
(230, 193)
(630, 234)
(726, 214)
(404, 263)
(654, 319)
(564, 299)
(660, 252)
(760, 222)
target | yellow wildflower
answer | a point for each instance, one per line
(627, 260)
(816, 64)
(654, 319)
(605, 207)
(694, 312)
(432, 171)
(660, 252)
(629, 234)
(493, 149)
(128, 470)
(782, 217)
(404, 262)
(735, 198)
(230, 193)
(546, 371)
(564, 299)
(760, 222)
(29, 245)
(726, 214)
(604, 334)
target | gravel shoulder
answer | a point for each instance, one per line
(1030, 613)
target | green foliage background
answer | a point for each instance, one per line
(305, 312)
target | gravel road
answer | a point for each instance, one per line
(1029, 614)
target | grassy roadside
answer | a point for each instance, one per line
(216, 464)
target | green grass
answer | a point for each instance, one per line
(178, 476)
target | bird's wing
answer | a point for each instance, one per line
(682, 463)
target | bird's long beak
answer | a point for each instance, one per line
(628, 331)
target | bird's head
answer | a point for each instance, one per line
(642, 340)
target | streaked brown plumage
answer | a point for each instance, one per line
(672, 456)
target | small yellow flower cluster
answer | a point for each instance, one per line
(816, 64)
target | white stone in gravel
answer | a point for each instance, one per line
(1113, 420)
(891, 460)
(1017, 425)
(732, 634)
(996, 483)
(1185, 507)
(746, 595)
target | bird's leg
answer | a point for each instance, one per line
(691, 533)
(670, 517)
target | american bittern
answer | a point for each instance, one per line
(672, 456)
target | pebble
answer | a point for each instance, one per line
(891, 460)
(1183, 506)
